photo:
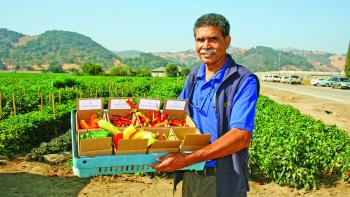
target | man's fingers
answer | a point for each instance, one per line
(162, 158)
(164, 166)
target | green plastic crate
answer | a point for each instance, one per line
(114, 164)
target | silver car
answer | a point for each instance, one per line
(340, 82)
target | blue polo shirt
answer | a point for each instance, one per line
(203, 110)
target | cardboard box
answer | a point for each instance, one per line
(118, 107)
(170, 145)
(130, 146)
(91, 147)
(177, 110)
(192, 139)
(94, 147)
(86, 107)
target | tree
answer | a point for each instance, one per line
(185, 71)
(91, 68)
(171, 69)
(347, 63)
(120, 71)
(55, 67)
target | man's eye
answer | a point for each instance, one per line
(213, 38)
(200, 39)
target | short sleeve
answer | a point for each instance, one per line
(244, 105)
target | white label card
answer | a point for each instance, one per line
(119, 104)
(149, 104)
(175, 105)
(90, 104)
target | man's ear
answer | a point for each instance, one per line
(227, 41)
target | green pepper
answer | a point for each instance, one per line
(99, 134)
(82, 136)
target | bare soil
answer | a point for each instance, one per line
(20, 178)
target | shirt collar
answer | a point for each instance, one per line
(201, 71)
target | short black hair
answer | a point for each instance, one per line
(213, 19)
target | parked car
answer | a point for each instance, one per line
(276, 79)
(315, 82)
(294, 79)
(265, 78)
(325, 82)
(340, 82)
(269, 79)
(284, 79)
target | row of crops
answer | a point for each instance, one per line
(287, 147)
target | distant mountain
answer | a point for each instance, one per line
(63, 47)
(7, 37)
(265, 59)
(146, 60)
(128, 53)
(321, 60)
(71, 50)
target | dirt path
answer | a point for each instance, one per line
(18, 178)
(328, 111)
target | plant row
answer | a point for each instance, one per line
(295, 150)
(20, 95)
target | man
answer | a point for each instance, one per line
(222, 100)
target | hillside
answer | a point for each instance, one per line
(146, 60)
(7, 37)
(71, 50)
(61, 46)
(265, 59)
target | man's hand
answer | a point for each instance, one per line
(171, 162)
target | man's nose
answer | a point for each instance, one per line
(206, 44)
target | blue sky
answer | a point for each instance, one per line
(159, 25)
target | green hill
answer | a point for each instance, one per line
(62, 47)
(7, 38)
(146, 60)
(257, 59)
(265, 59)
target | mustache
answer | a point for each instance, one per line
(207, 51)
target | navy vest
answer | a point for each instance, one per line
(232, 170)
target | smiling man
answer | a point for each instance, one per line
(222, 99)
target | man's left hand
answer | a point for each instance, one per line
(171, 162)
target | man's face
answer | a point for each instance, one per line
(211, 46)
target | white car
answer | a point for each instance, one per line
(315, 82)
(284, 79)
(265, 78)
(294, 79)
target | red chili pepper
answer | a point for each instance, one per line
(151, 124)
(181, 123)
(131, 104)
(176, 122)
(158, 114)
(123, 119)
(163, 117)
(116, 138)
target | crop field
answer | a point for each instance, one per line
(287, 147)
